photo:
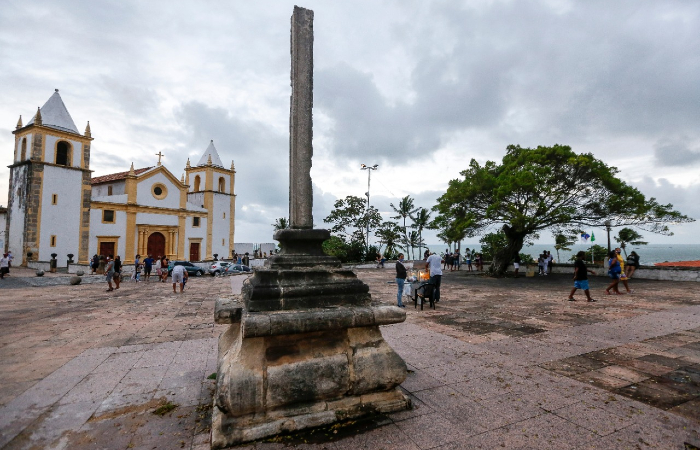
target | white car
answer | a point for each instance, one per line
(218, 268)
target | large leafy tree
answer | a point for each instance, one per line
(351, 217)
(628, 236)
(534, 189)
(281, 223)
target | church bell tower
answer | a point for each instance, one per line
(49, 194)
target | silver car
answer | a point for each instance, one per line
(218, 268)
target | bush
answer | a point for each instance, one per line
(599, 251)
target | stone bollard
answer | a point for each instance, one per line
(80, 273)
(53, 263)
(39, 273)
(75, 280)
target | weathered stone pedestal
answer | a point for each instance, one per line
(304, 347)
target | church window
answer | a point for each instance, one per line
(197, 182)
(159, 191)
(108, 216)
(54, 199)
(63, 154)
(224, 215)
(222, 184)
(109, 190)
(53, 240)
(23, 155)
(195, 221)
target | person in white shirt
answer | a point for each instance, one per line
(434, 264)
(179, 276)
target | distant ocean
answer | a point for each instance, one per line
(648, 254)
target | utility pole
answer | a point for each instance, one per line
(369, 178)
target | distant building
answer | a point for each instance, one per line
(56, 206)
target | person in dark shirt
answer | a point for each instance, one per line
(581, 277)
(516, 265)
(117, 271)
(632, 264)
(148, 267)
(400, 280)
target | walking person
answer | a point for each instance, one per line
(95, 263)
(10, 258)
(163, 269)
(400, 280)
(434, 265)
(137, 268)
(623, 274)
(117, 271)
(516, 265)
(158, 267)
(457, 259)
(581, 277)
(614, 271)
(632, 264)
(468, 260)
(540, 264)
(4, 265)
(179, 276)
(109, 272)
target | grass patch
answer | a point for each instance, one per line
(212, 376)
(164, 409)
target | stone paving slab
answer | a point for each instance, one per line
(499, 364)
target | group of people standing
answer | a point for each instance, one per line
(544, 263)
(113, 269)
(5, 264)
(433, 264)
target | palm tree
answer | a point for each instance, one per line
(389, 235)
(420, 221)
(404, 210)
(412, 240)
(628, 236)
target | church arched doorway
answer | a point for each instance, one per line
(156, 245)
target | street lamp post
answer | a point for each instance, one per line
(607, 228)
(369, 177)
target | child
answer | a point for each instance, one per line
(581, 277)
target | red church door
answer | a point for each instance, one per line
(194, 251)
(156, 245)
(107, 249)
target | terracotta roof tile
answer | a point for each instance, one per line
(680, 264)
(117, 176)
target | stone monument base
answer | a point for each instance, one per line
(318, 368)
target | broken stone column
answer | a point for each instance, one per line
(303, 348)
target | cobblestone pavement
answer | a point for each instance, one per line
(500, 363)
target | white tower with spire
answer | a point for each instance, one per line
(49, 192)
(211, 185)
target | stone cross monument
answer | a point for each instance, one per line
(303, 348)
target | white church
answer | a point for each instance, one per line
(55, 206)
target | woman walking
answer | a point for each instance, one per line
(614, 273)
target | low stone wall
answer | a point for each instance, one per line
(642, 273)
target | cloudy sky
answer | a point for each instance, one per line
(418, 87)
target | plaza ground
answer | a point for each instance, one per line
(501, 363)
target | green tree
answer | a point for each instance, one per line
(389, 234)
(411, 241)
(421, 221)
(351, 217)
(563, 242)
(532, 190)
(281, 223)
(492, 244)
(628, 236)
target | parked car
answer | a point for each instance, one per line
(189, 267)
(218, 268)
(236, 268)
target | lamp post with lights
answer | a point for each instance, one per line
(369, 178)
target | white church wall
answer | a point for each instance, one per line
(62, 219)
(17, 211)
(156, 219)
(120, 199)
(28, 153)
(196, 199)
(97, 228)
(221, 221)
(199, 232)
(144, 193)
(3, 224)
(50, 147)
(202, 183)
(102, 190)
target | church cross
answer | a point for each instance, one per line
(159, 155)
